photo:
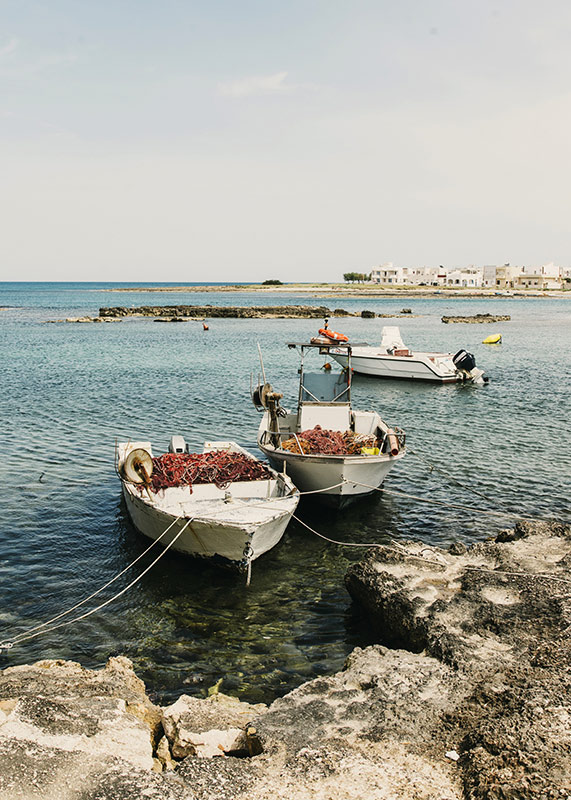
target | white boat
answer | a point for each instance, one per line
(233, 524)
(324, 401)
(393, 359)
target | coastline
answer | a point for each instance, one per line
(463, 695)
(342, 290)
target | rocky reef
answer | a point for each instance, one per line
(465, 697)
(238, 312)
(479, 318)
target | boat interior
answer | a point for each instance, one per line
(324, 401)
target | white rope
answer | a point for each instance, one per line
(398, 492)
(325, 488)
(519, 574)
(396, 548)
(41, 629)
(450, 477)
(363, 544)
(334, 541)
(98, 591)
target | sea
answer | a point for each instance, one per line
(479, 458)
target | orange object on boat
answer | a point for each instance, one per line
(333, 335)
(393, 442)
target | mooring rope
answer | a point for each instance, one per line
(98, 591)
(519, 574)
(395, 549)
(399, 493)
(45, 627)
(448, 475)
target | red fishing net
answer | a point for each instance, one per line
(319, 441)
(220, 467)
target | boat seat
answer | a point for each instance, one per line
(333, 417)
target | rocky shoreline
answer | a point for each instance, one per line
(471, 701)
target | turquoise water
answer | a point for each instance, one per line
(69, 391)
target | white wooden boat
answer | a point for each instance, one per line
(325, 400)
(233, 525)
(393, 359)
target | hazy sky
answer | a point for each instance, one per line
(188, 141)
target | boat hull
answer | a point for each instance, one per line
(399, 367)
(335, 480)
(225, 539)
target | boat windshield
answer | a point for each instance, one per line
(324, 387)
(329, 385)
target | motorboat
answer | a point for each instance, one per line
(393, 359)
(336, 453)
(222, 504)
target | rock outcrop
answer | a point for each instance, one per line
(474, 705)
(239, 312)
(499, 616)
(479, 318)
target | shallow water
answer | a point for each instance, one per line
(71, 390)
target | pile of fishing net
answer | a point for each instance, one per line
(319, 441)
(219, 467)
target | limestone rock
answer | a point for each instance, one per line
(500, 616)
(479, 318)
(30, 771)
(62, 705)
(240, 312)
(210, 727)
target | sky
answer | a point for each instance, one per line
(175, 140)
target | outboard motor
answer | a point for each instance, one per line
(464, 361)
(177, 445)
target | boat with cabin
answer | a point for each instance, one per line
(223, 504)
(393, 359)
(328, 448)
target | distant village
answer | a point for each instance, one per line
(546, 276)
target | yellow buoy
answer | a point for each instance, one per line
(495, 338)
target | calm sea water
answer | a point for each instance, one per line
(69, 391)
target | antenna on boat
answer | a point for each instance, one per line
(262, 363)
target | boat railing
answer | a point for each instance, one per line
(269, 437)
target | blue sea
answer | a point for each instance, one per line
(71, 390)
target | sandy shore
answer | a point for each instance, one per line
(344, 290)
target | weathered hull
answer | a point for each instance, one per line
(223, 536)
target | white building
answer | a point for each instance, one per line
(489, 275)
(408, 276)
(465, 278)
(506, 276)
(548, 276)
(387, 273)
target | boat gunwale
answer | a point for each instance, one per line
(265, 503)
(336, 458)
